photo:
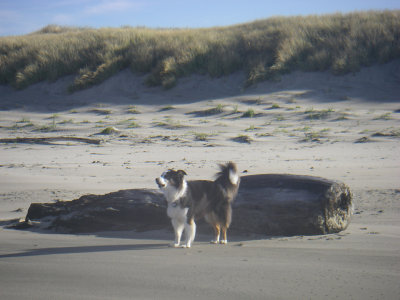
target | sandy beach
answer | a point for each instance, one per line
(344, 128)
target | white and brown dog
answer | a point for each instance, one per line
(191, 200)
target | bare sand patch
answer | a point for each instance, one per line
(309, 124)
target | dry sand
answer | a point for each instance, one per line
(343, 128)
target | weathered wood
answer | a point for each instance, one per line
(49, 140)
(139, 209)
(281, 204)
(270, 204)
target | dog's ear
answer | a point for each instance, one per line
(182, 173)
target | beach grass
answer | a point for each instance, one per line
(209, 112)
(249, 113)
(264, 49)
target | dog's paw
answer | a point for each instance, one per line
(223, 242)
(174, 245)
(214, 242)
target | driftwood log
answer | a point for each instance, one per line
(49, 140)
(281, 204)
(271, 204)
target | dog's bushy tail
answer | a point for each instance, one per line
(228, 174)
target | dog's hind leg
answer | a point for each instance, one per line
(178, 229)
(190, 231)
(224, 239)
(225, 224)
(217, 231)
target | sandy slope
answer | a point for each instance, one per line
(343, 128)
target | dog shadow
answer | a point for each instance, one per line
(155, 240)
(85, 249)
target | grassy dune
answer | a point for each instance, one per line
(264, 49)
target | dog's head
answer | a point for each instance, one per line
(171, 179)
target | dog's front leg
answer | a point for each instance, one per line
(178, 229)
(190, 232)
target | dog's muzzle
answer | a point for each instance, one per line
(160, 182)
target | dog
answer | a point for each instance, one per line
(189, 201)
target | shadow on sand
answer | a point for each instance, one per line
(85, 249)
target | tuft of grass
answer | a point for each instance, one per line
(342, 117)
(201, 136)
(209, 112)
(66, 121)
(249, 113)
(101, 111)
(318, 114)
(251, 128)
(133, 110)
(47, 128)
(215, 110)
(133, 124)
(169, 124)
(235, 109)
(275, 106)
(386, 116)
(305, 128)
(264, 50)
(109, 130)
(129, 123)
(167, 108)
(265, 134)
(23, 123)
(391, 133)
(311, 137)
(257, 101)
(24, 120)
(315, 136)
(363, 139)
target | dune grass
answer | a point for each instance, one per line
(249, 113)
(219, 109)
(109, 130)
(201, 136)
(263, 49)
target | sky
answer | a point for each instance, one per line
(19, 17)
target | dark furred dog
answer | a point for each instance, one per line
(191, 200)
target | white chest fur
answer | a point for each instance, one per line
(174, 211)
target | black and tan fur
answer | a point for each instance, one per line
(189, 201)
